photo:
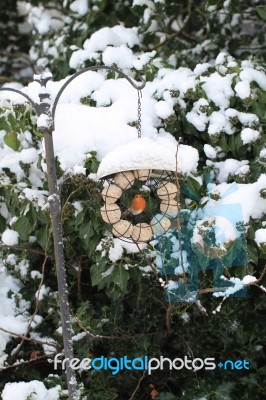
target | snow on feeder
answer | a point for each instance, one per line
(141, 189)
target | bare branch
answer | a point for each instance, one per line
(115, 337)
(30, 339)
(22, 363)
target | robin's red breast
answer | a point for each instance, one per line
(137, 205)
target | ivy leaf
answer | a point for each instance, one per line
(86, 231)
(96, 275)
(11, 140)
(234, 144)
(88, 237)
(120, 277)
(43, 236)
(261, 10)
(12, 120)
(23, 227)
(192, 189)
(79, 219)
(96, 271)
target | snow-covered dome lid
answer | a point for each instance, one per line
(146, 153)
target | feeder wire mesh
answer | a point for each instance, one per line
(154, 190)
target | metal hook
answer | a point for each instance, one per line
(34, 105)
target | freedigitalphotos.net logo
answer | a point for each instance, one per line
(147, 364)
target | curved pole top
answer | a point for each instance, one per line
(34, 105)
(94, 68)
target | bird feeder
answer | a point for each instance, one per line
(148, 170)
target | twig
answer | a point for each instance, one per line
(114, 337)
(260, 287)
(27, 249)
(201, 308)
(27, 362)
(211, 290)
(30, 339)
(262, 275)
(138, 385)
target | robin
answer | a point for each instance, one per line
(137, 205)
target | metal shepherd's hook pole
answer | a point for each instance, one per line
(46, 115)
(45, 125)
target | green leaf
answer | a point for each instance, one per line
(86, 230)
(96, 271)
(120, 277)
(87, 235)
(3, 124)
(261, 96)
(12, 120)
(234, 144)
(261, 10)
(23, 227)
(96, 275)
(258, 109)
(253, 253)
(79, 219)
(192, 189)
(111, 75)
(12, 200)
(43, 236)
(11, 140)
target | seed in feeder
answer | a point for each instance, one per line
(124, 179)
(111, 194)
(110, 213)
(142, 174)
(122, 228)
(170, 208)
(167, 191)
(160, 223)
(142, 232)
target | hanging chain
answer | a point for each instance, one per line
(139, 114)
